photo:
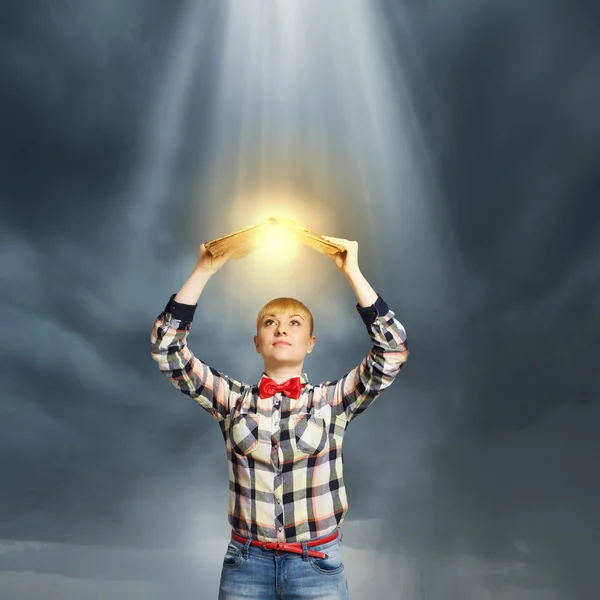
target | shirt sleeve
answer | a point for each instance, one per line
(356, 391)
(213, 391)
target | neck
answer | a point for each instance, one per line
(282, 374)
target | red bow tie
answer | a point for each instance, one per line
(291, 388)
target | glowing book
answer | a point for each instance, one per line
(241, 243)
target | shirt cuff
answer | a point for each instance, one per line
(369, 314)
(181, 312)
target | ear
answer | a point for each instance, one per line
(311, 344)
(256, 344)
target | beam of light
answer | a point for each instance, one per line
(310, 99)
(150, 186)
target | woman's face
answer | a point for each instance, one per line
(284, 338)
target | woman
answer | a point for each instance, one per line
(287, 498)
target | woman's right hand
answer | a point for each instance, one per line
(209, 263)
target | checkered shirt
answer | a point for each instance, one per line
(284, 456)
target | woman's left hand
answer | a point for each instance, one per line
(346, 262)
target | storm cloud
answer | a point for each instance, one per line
(459, 143)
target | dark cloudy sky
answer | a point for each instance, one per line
(458, 142)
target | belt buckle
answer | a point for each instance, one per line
(275, 550)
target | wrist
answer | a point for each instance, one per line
(200, 273)
(353, 274)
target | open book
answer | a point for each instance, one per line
(241, 243)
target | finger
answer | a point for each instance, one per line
(339, 241)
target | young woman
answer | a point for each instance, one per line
(283, 436)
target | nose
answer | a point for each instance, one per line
(281, 330)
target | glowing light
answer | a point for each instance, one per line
(274, 201)
(277, 247)
(313, 121)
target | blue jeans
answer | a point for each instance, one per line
(249, 572)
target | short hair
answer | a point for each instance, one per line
(289, 305)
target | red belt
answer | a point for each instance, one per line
(295, 547)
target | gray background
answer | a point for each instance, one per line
(458, 142)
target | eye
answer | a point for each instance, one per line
(269, 321)
(295, 321)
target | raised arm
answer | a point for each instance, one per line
(215, 392)
(356, 391)
(206, 267)
(347, 263)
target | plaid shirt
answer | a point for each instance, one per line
(284, 456)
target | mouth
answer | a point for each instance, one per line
(277, 344)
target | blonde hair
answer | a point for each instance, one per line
(289, 305)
